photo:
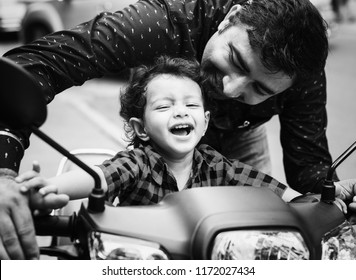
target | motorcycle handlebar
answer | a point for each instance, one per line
(55, 225)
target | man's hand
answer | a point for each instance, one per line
(42, 195)
(346, 191)
(17, 233)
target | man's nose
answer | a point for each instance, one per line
(235, 86)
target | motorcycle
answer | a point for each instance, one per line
(202, 223)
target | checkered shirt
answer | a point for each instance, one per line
(140, 176)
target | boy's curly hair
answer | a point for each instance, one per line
(290, 35)
(133, 97)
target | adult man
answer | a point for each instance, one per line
(260, 58)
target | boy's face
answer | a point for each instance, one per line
(174, 118)
(236, 71)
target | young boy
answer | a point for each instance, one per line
(165, 113)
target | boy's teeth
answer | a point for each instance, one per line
(182, 129)
(180, 126)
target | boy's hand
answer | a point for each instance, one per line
(43, 196)
(346, 190)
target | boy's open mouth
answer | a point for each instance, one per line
(181, 129)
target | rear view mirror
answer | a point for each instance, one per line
(22, 103)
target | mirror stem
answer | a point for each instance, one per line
(328, 190)
(339, 160)
(97, 196)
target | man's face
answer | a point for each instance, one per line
(236, 71)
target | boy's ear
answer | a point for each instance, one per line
(234, 10)
(139, 128)
(207, 119)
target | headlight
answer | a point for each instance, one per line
(340, 243)
(104, 246)
(259, 245)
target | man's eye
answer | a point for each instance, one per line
(259, 91)
(233, 61)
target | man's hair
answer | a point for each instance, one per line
(289, 35)
(133, 97)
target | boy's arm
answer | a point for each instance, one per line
(77, 183)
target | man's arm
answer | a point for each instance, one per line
(303, 120)
(110, 43)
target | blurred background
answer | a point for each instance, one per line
(87, 116)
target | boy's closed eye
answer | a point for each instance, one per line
(194, 105)
(163, 107)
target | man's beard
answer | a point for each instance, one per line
(212, 80)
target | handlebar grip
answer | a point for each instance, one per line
(55, 225)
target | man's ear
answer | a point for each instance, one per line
(139, 128)
(207, 119)
(229, 17)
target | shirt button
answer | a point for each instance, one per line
(245, 124)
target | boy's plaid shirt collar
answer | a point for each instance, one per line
(204, 154)
(210, 168)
